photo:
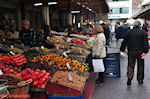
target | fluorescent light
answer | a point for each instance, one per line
(90, 10)
(75, 11)
(52, 3)
(78, 3)
(38, 4)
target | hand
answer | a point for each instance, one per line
(97, 56)
(143, 56)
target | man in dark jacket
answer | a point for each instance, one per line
(27, 35)
(122, 30)
(137, 42)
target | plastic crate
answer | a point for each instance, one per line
(64, 97)
(112, 75)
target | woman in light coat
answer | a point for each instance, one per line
(99, 49)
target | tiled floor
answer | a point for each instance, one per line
(116, 88)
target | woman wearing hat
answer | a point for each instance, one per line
(99, 49)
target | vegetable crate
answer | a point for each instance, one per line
(64, 97)
(112, 65)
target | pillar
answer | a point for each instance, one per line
(46, 20)
(69, 18)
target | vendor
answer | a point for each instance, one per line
(13, 34)
(27, 35)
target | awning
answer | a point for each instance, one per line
(145, 13)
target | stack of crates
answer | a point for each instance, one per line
(112, 65)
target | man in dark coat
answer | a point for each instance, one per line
(137, 42)
(27, 35)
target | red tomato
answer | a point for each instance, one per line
(28, 69)
(28, 76)
(34, 77)
(43, 71)
(41, 82)
(24, 72)
(35, 83)
(37, 70)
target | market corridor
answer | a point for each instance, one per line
(116, 88)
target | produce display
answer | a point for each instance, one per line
(56, 39)
(59, 61)
(77, 82)
(16, 59)
(8, 69)
(77, 41)
(39, 77)
(15, 50)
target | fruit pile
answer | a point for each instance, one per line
(39, 78)
(77, 41)
(60, 61)
(8, 69)
(16, 59)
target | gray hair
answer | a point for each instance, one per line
(26, 21)
(137, 23)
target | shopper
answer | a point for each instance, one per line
(13, 34)
(137, 42)
(99, 50)
(122, 30)
(106, 33)
(27, 35)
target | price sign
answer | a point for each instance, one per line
(70, 77)
(42, 47)
(11, 46)
(68, 66)
(11, 52)
(65, 54)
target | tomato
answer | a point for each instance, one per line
(35, 83)
(37, 70)
(41, 82)
(28, 76)
(43, 71)
(33, 77)
(24, 72)
(28, 69)
(31, 71)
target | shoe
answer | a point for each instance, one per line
(98, 81)
(140, 82)
(129, 82)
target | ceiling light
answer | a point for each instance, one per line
(75, 11)
(52, 3)
(38, 4)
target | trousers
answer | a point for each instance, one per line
(134, 56)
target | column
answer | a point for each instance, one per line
(46, 20)
(69, 18)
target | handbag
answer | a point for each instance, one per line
(98, 65)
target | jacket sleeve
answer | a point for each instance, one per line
(100, 45)
(124, 43)
(145, 43)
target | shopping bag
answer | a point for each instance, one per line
(98, 65)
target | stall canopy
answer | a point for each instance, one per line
(145, 13)
(91, 5)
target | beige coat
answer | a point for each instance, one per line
(99, 46)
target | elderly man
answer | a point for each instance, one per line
(27, 35)
(137, 42)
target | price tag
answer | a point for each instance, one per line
(68, 66)
(81, 51)
(11, 52)
(37, 48)
(42, 47)
(70, 77)
(22, 44)
(11, 46)
(3, 40)
(57, 47)
(1, 73)
(48, 38)
(68, 51)
(65, 54)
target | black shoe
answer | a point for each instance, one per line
(129, 82)
(98, 81)
(140, 82)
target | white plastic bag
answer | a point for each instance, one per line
(98, 65)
